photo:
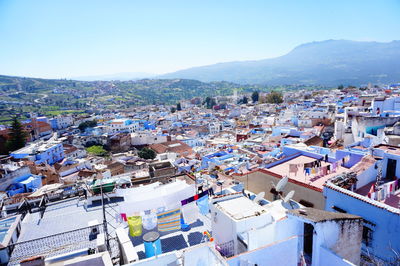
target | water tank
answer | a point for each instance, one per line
(152, 244)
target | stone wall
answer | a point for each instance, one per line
(259, 181)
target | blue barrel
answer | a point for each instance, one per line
(152, 244)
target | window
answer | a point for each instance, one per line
(338, 209)
(306, 203)
(367, 236)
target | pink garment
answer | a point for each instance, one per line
(371, 190)
(387, 190)
(324, 170)
(321, 171)
(293, 168)
(373, 196)
(123, 216)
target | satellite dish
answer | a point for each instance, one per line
(259, 197)
(281, 184)
(289, 196)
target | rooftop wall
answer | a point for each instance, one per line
(383, 222)
(280, 253)
(342, 237)
(331, 259)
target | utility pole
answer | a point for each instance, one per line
(104, 218)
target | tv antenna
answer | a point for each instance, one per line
(281, 184)
(259, 197)
(288, 198)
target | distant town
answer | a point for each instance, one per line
(252, 177)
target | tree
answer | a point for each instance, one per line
(210, 102)
(213, 103)
(84, 125)
(255, 96)
(178, 107)
(147, 153)
(17, 136)
(340, 87)
(274, 97)
(96, 150)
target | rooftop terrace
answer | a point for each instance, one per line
(392, 200)
(175, 240)
(313, 179)
(63, 228)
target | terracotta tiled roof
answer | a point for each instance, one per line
(69, 148)
(172, 146)
(313, 141)
(43, 126)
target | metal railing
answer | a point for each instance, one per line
(55, 244)
(226, 249)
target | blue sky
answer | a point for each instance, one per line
(58, 39)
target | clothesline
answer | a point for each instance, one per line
(166, 216)
(144, 198)
(315, 167)
(384, 191)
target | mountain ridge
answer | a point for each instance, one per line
(329, 62)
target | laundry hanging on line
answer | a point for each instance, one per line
(190, 212)
(202, 203)
(195, 197)
(169, 220)
(149, 220)
(293, 168)
(307, 171)
(313, 171)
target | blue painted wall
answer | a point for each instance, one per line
(386, 233)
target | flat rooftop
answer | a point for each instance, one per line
(5, 226)
(283, 169)
(175, 240)
(317, 216)
(59, 217)
(36, 146)
(241, 208)
(389, 149)
(393, 200)
(64, 228)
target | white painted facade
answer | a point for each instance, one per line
(214, 128)
(146, 138)
(384, 105)
(168, 156)
(257, 231)
(305, 122)
(122, 125)
(63, 122)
